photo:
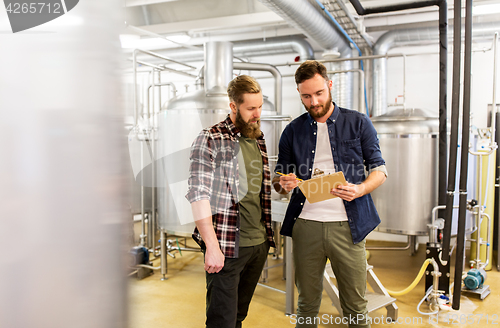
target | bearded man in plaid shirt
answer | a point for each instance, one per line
(230, 196)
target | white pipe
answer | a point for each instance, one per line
(278, 89)
(494, 101)
(250, 48)
(361, 73)
(402, 37)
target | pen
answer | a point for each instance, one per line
(287, 174)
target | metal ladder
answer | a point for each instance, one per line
(377, 299)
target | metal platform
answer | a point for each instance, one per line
(377, 299)
(481, 292)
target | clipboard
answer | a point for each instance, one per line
(318, 189)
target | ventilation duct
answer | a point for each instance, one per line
(218, 67)
(311, 21)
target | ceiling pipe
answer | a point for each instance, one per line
(278, 89)
(276, 75)
(251, 48)
(397, 7)
(313, 22)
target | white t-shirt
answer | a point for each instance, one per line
(332, 209)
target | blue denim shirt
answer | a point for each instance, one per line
(355, 147)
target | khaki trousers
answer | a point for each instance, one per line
(313, 243)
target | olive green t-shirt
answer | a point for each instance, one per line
(252, 231)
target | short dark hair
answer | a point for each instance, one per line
(239, 86)
(308, 69)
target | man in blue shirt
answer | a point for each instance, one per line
(329, 139)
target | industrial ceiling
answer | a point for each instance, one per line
(195, 22)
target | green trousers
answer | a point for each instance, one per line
(313, 243)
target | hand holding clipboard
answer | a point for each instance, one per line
(319, 188)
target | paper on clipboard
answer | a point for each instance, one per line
(318, 189)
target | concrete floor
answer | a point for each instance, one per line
(179, 301)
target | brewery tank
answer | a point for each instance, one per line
(409, 144)
(179, 123)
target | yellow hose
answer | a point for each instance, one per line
(414, 283)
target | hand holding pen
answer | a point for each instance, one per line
(288, 181)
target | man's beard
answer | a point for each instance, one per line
(324, 107)
(249, 130)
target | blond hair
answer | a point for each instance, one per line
(239, 86)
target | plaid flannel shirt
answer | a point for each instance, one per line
(213, 176)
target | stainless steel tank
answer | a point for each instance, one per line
(63, 228)
(180, 122)
(409, 145)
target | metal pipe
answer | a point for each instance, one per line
(218, 67)
(278, 89)
(479, 241)
(277, 45)
(273, 266)
(344, 59)
(391, 248)
(163, 254)
(149, 65)
(276, 118)
(361, 86)
(153, 54)
(433, 220)
(305, 16)
(494, 100)
(464, 163)
(290, 277)
(148, 266)
(478, 238)
(170, 84)
(443, 109)
(134, 63)
(496, 135)
(153, 164)
(488, 241)
(272, 288)
(143, 214)
(162, 68)
(479, 214)
(251, 48)
(401, 37)
(404, 81)
(150, 237)
(434, 306)
(497, 179)
(455, 109)
(490, 151)
(384, 9)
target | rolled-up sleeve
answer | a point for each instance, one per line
(201, 168)
(372, 156)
